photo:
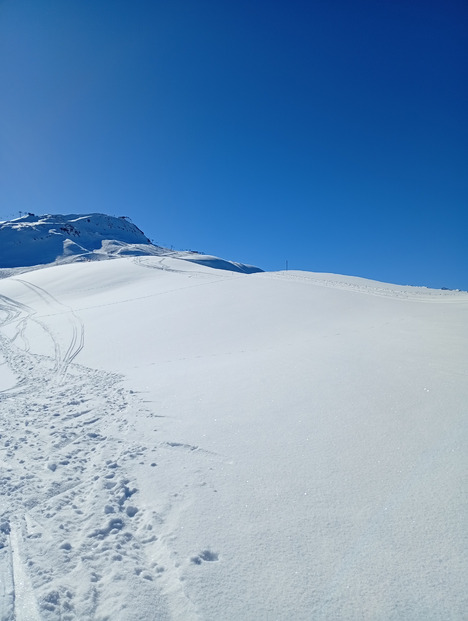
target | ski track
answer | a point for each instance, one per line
(76, 328)
(158, 264)
(75, 541)
(379, 289)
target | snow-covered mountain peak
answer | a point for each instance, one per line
(89, 228)
(37, 240)
(32, 240)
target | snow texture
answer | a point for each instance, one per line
(184, 442)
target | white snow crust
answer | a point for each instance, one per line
(183, 442)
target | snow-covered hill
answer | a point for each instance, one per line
(32, 241)
(35, 240)
(181, 442)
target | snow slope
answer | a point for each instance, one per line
(183, 442)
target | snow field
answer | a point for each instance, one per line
(182, 442)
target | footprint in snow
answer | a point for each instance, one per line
(206, 555)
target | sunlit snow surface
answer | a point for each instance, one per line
(183, 442)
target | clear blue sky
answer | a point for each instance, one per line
(329, 133)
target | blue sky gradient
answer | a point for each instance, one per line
(333, 135)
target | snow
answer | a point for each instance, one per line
(31, 241)
(185, 442)
(34, 240)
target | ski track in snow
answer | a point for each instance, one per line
(399, 292)
(158, 264)
(72, 530)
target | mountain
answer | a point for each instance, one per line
(180, 442)
(33, 240)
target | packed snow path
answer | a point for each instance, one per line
(179, 442)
